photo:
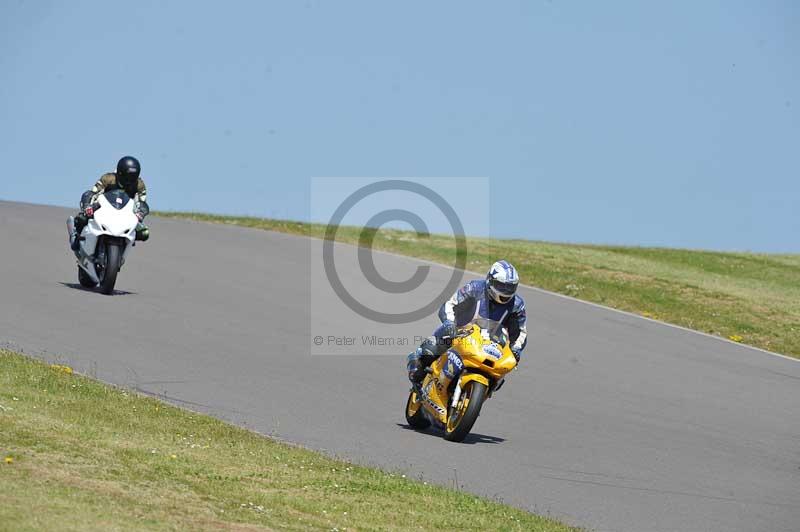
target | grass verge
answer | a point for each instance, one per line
(81, 455)
(746, 297)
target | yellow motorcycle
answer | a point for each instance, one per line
(459, 381)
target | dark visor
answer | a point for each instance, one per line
(507, 289)
(127, 180)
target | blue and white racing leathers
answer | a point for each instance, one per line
(469, 302)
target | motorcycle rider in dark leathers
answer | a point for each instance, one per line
(126, 178)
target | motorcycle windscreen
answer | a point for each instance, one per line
(117, 198)
(494, 329)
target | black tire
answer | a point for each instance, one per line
(476, 393)
(109, 277)
(84, 279)
(415, 418)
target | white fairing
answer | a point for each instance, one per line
(109, 221)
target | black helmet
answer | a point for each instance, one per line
(128, 170)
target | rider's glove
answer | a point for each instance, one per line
(140, 215)
(517, 353)
(448, 329)
(89, 211)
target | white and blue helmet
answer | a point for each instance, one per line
(502, 281)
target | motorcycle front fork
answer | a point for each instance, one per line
(100, 256)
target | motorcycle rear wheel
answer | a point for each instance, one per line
(462, 417)
(415, 417)
(84, 279)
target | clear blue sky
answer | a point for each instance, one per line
(653, 123)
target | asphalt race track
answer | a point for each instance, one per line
(613, 422)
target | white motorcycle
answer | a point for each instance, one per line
(106, 240)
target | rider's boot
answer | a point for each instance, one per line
(76, 240)
(80, 222)
(415, 369)
(418, 362)
(142, 232)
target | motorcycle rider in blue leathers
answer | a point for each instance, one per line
(494, 298)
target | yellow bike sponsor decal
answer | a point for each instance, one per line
(426, 395)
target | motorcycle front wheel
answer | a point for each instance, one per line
(108, 277)
(461, 417)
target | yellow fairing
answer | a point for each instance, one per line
(468, 377)
(484, 360)
(472, 352)
(434, 390)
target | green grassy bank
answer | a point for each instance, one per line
(79, 455)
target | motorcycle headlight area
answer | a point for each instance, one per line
(113, 226)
